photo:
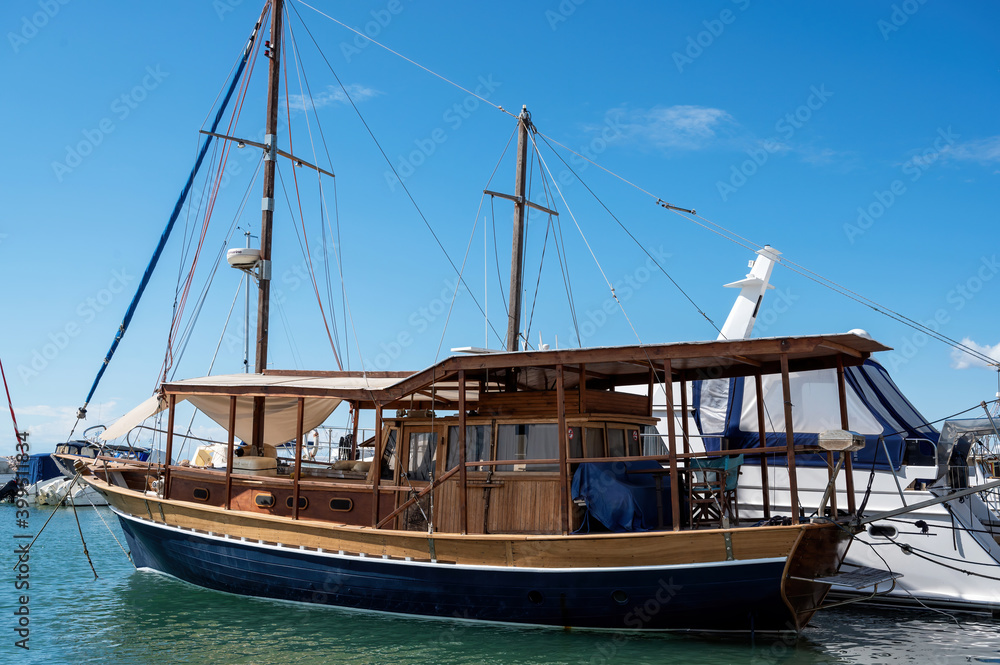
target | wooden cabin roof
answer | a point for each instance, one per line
(606, 367)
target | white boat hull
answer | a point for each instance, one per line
(51, 492)
(952, 559)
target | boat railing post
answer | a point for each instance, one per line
(229, 450)
(844, 424)
(462, 479)
(650, 388)
(563, 449)
(685, 433)
(298, 458)
(171, 408)
(762, 433)
(793, 485)
(675, 481)
(377, 463)
(354, 435)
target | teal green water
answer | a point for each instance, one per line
(126, 616)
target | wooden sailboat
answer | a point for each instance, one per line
(517, 486)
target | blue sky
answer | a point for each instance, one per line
(859, 138)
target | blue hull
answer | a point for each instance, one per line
(727, 596)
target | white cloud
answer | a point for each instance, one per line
(50, 424)
(962, 360)
(984, 151)
(332, 95)
(681, 127)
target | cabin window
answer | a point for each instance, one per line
(616, 443)
(264, 500)
(477, 445)
(575, 443)
(528, 442)
(423, 454)
(595, 442)
(200, 494)
(303, 502)
(652, 443)
(632, 442)
(388, 469)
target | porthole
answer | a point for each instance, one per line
(303, 502)
(200, 494)
(342, 505)
(882, 531)
(619, 597)
(535, 597)
(264, 500)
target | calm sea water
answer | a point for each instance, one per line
(126, 616)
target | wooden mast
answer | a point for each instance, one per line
(267, 215)
(517, 246)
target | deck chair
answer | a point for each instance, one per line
(712, 490)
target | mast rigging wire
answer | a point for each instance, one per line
(406, 189)
(396, 53)
(334, 237)
(634, 239)
(300, 75)
(305, 236)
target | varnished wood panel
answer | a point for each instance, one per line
(525, 503)
(544, 402)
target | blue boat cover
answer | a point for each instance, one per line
(37, 468)
(619, 500)
(876, 408)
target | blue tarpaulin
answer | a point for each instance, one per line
(619, 500)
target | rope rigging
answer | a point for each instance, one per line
(298, 199)
(334, 237)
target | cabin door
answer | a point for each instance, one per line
(420, 460)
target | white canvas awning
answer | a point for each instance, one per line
(293, 382)
(124, 425)
(280, 413)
